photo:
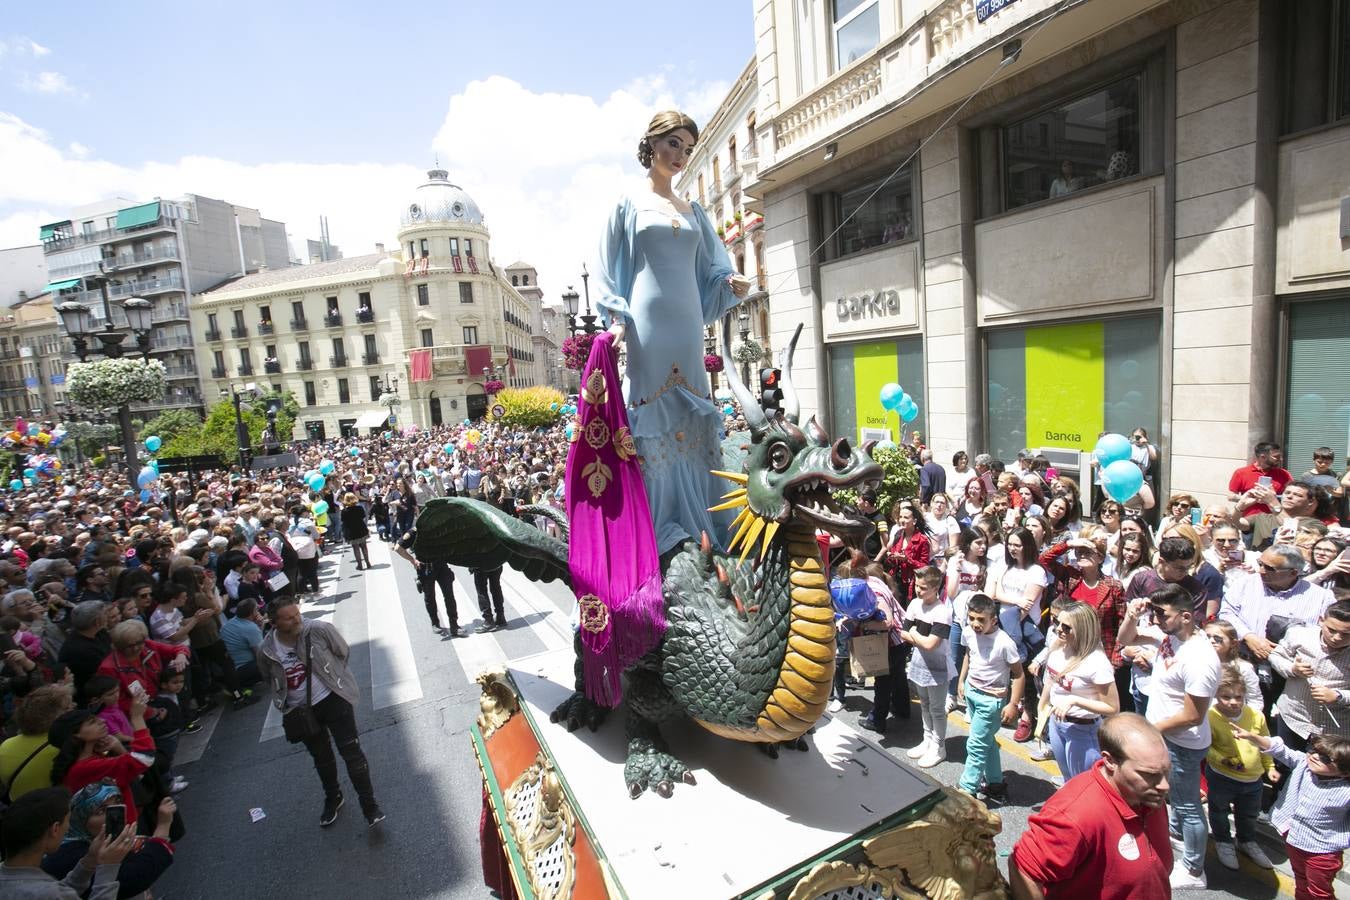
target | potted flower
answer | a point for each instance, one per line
(712, 363)
(576, 350)
(493, 386)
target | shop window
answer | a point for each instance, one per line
(857, 29)
(1063, 385)
(857, 374)
(873, 214)
(1318, 398)
(1315, 62)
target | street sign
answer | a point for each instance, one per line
(393, 419)
(498, 411)
(986, 8)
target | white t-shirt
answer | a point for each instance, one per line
(163, 624)
(929, 667)
(1094, 670)
(942, 533)
(293, 664)
(1193, 669)
(966, 574)
(1012, 586)
(957, 481)
(991, 659)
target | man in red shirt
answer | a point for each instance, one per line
(1104, 834)
(1244, 487)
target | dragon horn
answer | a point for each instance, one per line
(792, 407)
(754, 413)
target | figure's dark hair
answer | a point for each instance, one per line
(662, 124)
(29, 817)
(981, 603)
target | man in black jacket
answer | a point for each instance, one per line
(88, 643)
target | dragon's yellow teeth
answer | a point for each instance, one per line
(751, 536)
(732, 476)
(770, 530)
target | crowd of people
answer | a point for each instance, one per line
(1217, 638)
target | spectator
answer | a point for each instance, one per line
(242, 636)
(1209, 578)
(91, 583)
(1104, 833)
(1176, 559)
(966, 574)
(1255, 486)
(932, 477)
(890, 692)
(1178, 512)
(961, 474)
(942, 528)
(1322, 476)
(984, 472)
(305, 663)
(1018, 588)
(928, 624)
(26, 759)
(141, 868)
(88, 643)
(429, 575)
(1315, 661)
(87, 753)
(136, 660)
(991, 672)
(907, 550)
(354, 526)
(1227, 555)
(1185, 679)
(35, 827)
(1224, 637)
(1080, 689)
(972, 503)
(1329, 567)
(1298, 501)
(487, 585)
(1235, 769)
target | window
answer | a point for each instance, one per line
(427, 339)
(857, 29)
(332, 304)
(751, 145)
(1091, 139)
(239, 321)
(412, 250)
(470, 334)
(525, 280)
(717, 171)
(731, 155)
(515, 281)
(212, 324)
(310, 397)
(857, 374)
(88, 229)
(265, 315)
(245, 360)
(363, 300)
(304, 351)
(423, 295)
(701, 199)
(1061, 385)
(468, 247)
(466, 292)
(276, 388)
(426, 248)
(218, 358)
(1318, 394)
(339, 351)
(298, 311)
(876, 213)
(1315, 63)
(271, 351)
(454, 246)
(370, 345)
(375, 387)
(344, 392)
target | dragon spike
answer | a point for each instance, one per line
(769, 531)
(737, 477)
(722, 575)
(745, 519)
(705, 544)
(730, 504)
(739, 492)
(749, 544)
(750, 408)
(792, 407)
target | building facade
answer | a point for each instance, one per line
(430, 324)
(23, 272)
(544, 325)
(1050, 218)
(163, 251)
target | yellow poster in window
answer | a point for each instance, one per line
(874, 365)
(1066, 385)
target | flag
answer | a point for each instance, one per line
(420, 365)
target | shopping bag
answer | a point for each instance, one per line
(278, 581)
(868, 655)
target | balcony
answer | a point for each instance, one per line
(446, 359)
(180, 371)
(265, 328)
(217, 372)
(272, 368)
(245, 369)
(161, 343)
(143, 258)
(841, 101)
(370, 359)
(239, 331)
(333, 319)
(338, 361)
(169, 312)
(213, 334)
(304, 364)
(147, 287)
(299, 325)
(365, 316)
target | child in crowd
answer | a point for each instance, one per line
(29, 643)
(991, 682)
(103, 692)
(928, 625)
(165, 721)
(1235, 768)
(1313, 813)
(1224, 637)
(1080, 689)
(847, 589)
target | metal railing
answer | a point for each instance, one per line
(239, 331)
(333, 319)
(338, 362)
(171, 282)
(370, 359)
(217, 372)
(365, 316)
(299, 325)
(265, 328)
(245, 369)
(304, 364)
(213, 334)
(272, 368)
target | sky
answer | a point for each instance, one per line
(303, 109)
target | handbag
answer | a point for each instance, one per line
(302, 723)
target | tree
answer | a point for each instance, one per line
(171, 423)
(217, 434)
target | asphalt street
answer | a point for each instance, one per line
(418, 703)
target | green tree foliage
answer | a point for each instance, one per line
(900, 481)
(217, 434)
(171, 423)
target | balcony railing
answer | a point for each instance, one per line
(365, 316)
(147, 286)
(265, 328)
(167, 312)
(338, 361)
(245, 368)
(841, 100)
(239, 331)
(213, 334)
(299, 325)
(143, 258)
(272, 368)
(180, 371)
(174, 342)
(217, 372)
(304, 364)
(370, 359)
(333, 319)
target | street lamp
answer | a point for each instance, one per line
(240, 430)
(389, 397)
(743, 319)
(76, 320)
(571, 303)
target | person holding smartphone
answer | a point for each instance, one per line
(97, 809)
(1255, 486)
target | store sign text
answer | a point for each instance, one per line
(868, 306)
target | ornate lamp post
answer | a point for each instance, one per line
(743, 319)
(571, 301)
(389, 397)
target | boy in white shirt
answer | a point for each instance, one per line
(991, 682)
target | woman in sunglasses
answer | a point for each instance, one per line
(1080, 688)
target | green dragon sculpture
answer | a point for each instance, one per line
(750, 645)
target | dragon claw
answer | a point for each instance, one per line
(649, 767)
(578, 710)
(664, 788)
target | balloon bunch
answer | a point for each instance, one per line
(1121, 478)
(894, 399)
(470, 440)
(566, 409)
(42, 466)
(315, 480)
(30, 435)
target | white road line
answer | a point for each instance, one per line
(329, 577)
(523, 597)
(393, 667)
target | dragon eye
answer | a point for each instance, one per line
(780, 456)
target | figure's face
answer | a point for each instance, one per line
(1230, 702)
(671, 152)
(1141, 778)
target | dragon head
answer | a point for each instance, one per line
(791, 470)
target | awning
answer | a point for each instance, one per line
(372, 419)
(47, 232)
(133, 216)
(61, 285)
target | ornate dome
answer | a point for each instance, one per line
(439, 201)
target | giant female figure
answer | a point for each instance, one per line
(663, 275)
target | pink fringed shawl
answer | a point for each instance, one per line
(612, 553)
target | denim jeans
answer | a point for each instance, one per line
(338, 719)
(1185, 815)
(1075, 746)
(1243, 797)
(982, 759)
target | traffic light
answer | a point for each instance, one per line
(771, 389)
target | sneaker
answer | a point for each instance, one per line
(178, 786)
(1041, 752)
(330, 811)
(374, 817)
(951, 703)
(920, 751)
(244, 698)
(501, 622)
(932, 758)
(836, 706)
(455, 632)
(1252, 850)
(1183, 879)
(488, 626)
(1263, 818)
(998, 792)
(867, 723)
(1227, 854)
(1023, 732)
(192, 727)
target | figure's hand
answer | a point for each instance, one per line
(740, 285)
(1302, 668)
(617, 329)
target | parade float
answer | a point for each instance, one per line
(728, 778)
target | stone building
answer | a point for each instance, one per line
(429, 324)
(1050, 218)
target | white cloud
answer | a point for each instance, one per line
(46, 83)
(22, 46)
(545, 168)
(37, 49)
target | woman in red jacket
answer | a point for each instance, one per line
(908, 551)
(137, 660)
(86, 753)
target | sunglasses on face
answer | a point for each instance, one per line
(1267, 567)
(1063, 628)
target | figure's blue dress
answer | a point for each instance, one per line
(664, 275)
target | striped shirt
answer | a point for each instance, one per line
(1331, 669)
(1248, 605)
(1313, 813)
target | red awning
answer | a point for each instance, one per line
(476, 359)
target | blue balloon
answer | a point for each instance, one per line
(153, 443)
(571, 431)
(153, 464)
(321, 507)
(145, 495)
(1112, 448)
(554, 407)
(909, 414)
(907, 408)
(16, 485)
(853, 599)
(355, 451)
(327, 466)
(146, 477)
(33, 430)
(468, 421)
(317, 482)
(30, 473)
(729, 409)
(891, 393)
(1122, 480)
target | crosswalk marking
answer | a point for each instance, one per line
(393, 667)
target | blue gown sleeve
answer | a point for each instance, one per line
(614, 266)
(714, 267)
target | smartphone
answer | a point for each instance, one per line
(137, 690)
(1236, 555)
(1195, 516)
(1264, 481)
(1345, 555)
(114, 819)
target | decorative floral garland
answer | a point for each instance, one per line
(712, 363)
(748, 351)
(112, 382)
(576, 350)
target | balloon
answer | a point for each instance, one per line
(317, 482)
(153, 443)
(146, 477)
(145, 495)
(309, 476)
(571, 431)
(891, 393)
(449, 449)
(29, 473)
(554, 407)
(907, 408)
(468, 422)
(321, 507)
(1112, 448)
(1121, 480)
(153, 464)
(327, 466)
(729, 409)
(44, 438)
(355, 451)
(33, 430)
(909, 414)
(853, 599)
(16, 485)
